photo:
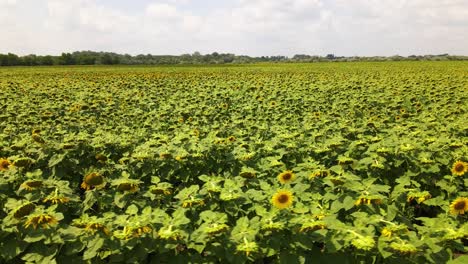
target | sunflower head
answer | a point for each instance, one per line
(43, 220)
(403, 248)
(272, 226)
(418, 196)
(56, 199)
(126, 186)
(313, 226)
(192, 202)
(282, 199)
(24, 210)
(247, 247)
(459, 206)
(92, 180)
(248, 174)
(364, 242)
(101, 157)
(93, 227)
(216, 228)
(37, 138)
(4, 164)
(387, 232)
(31, 185)
(459, 168)
(22, 162)
(139, 231)
(368, 200)
(286, 177)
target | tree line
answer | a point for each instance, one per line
(110, 58)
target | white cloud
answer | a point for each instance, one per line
(255, 27)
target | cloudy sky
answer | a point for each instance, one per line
(250, 27)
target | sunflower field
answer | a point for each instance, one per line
(267, 163)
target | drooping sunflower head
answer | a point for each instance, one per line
(101, 157)
(282, 199)
(459, 206)
(91, 224)
(24, 210)
(43, 220)
(93, 227)
(92, 180)
(127, 185)
(286, 177)
(4, 164)
(459, 168)
(31, 185)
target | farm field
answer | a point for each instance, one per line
(266, 163)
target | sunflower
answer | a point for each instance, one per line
(139, 231)
(364, 242)
(91, 180)
(37, 138)
(24, 210)
(386, 232)
(286, 177)
(4, 164)
(403, 248)
(31, 184)
(93, 227)
(43, 220)
(367, 200)
(459, 168)
(91, 224)
(56, 199)
(127, 187)
(247, 247)
(459, 206)
(101, 157)
(282, 199)
(313, 226)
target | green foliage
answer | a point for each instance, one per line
(178, 165)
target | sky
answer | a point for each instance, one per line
(242, 27)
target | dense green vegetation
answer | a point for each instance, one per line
(110, 58)
(289, 163)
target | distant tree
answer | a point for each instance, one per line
(46, 60)
(66, 59)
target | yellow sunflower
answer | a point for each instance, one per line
(43, 220)
(4, 164)
(286, 177)
(31, 185)
(56, 199)
(92, 180)
(459, 168)
(459, 206)
(282, 199)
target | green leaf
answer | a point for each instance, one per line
(92, 248)
(11, 247)
(463, 259)
(132, 210)
(56, 159)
